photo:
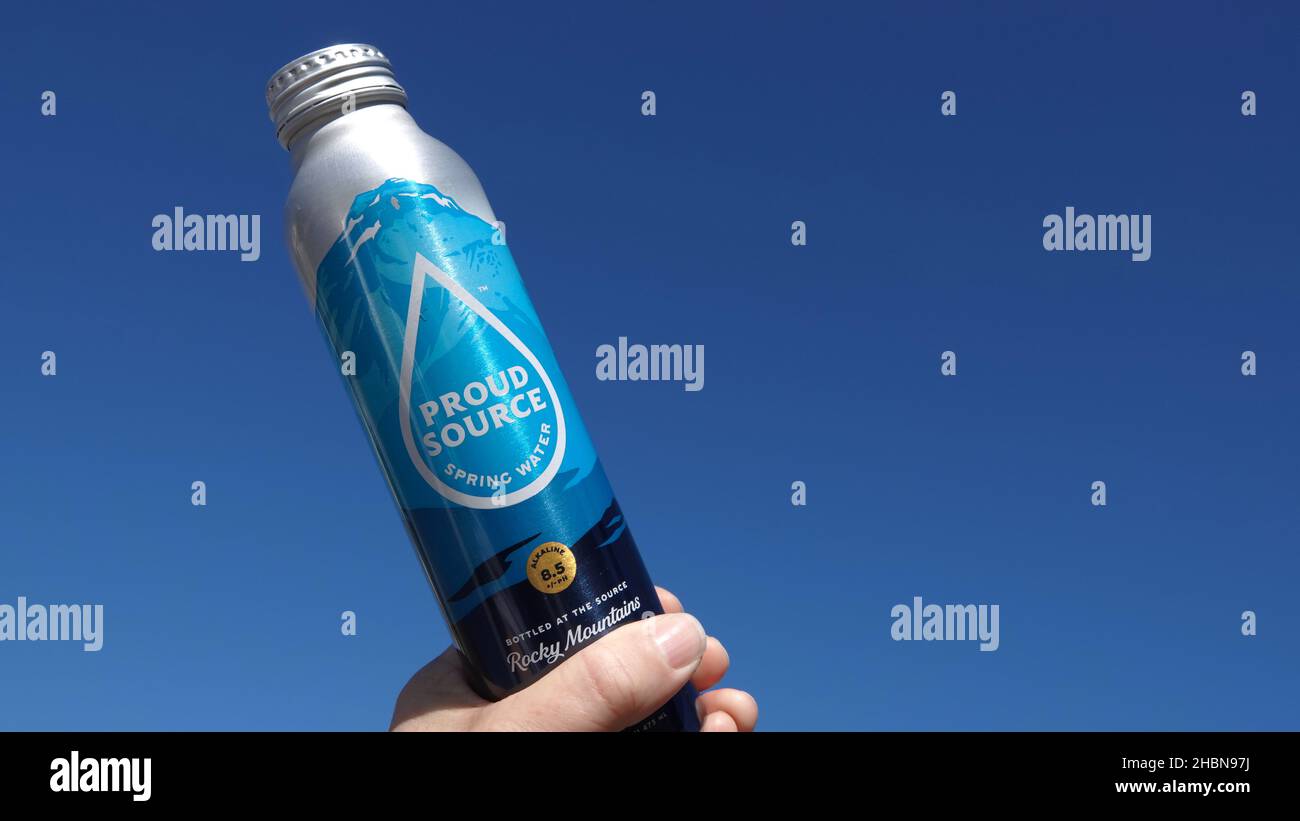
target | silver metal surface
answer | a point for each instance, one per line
(339, 151)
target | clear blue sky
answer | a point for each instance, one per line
(822, 362)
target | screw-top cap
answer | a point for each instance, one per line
(323, 82)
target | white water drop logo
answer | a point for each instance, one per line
(489, 426)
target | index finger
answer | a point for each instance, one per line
(671, 603)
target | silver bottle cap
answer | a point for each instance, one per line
(329, 81)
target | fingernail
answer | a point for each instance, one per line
(680, 637)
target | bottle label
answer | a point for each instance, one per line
(477, 433)
(481, 419)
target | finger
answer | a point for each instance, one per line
(718, 723)
(613, 683)
(712, 667)
(671, 603)
(739, 705)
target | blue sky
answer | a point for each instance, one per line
(924, 235)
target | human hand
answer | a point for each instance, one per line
(611, 684)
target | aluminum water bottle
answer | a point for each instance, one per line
(512, 517)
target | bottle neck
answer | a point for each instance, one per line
(324, 129)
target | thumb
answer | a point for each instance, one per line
(612, 683)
